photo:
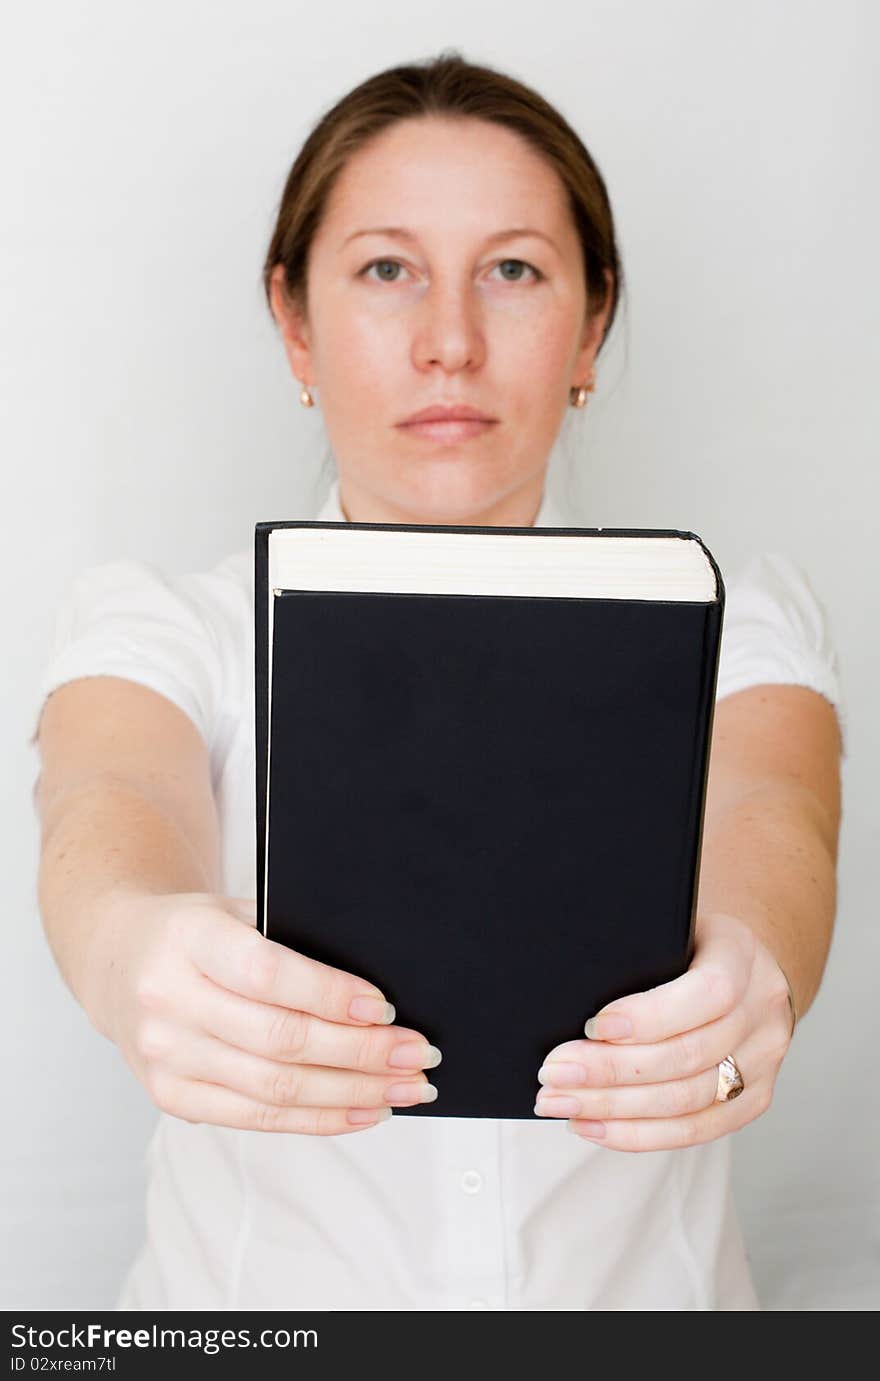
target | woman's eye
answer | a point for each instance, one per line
(518, 263)
(381, 263)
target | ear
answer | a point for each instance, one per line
(292, 325)
(594, 330)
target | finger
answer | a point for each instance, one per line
(757, 1057)
(601, 1063)
(195, 1101)
(666, 1134)
(246, 962)
(714, 985)
(675, 1098)
(245, 908)
(208, 1060)
(282, 1033)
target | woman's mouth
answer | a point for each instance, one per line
(447, 430)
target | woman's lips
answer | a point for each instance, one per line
(450, 429)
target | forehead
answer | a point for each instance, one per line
(430, 173)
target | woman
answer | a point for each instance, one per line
(444, 243)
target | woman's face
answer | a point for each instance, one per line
(421, 294)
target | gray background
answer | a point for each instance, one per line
(147, 410)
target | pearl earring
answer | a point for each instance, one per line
(306, 398)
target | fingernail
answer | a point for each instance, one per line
(608, 1026)
(371, 1009)
(415, 1055)
(565, 1075)
(410, 1093)
(367, 1116)
(550, 1106)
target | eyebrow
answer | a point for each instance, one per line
(398, 232)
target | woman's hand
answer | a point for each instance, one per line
(652, 1087)
(222, 1025)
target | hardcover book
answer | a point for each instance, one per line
(482, 758)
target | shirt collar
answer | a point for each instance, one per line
(551, 513)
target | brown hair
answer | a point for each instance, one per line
(448, 86)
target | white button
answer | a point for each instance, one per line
(472, 1181)
(479, 1304)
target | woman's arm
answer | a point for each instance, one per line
(125, 805)
(773, 811)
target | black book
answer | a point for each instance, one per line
(481, 767)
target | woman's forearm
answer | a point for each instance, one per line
(103, 840)
(771, 859)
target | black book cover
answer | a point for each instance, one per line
(490, 806)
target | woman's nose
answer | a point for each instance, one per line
(450, 331)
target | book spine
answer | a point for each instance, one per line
(261, 723)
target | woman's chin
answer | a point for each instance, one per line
(433, 494)
(453, 496)
(449, 510)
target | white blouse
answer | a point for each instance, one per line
(416, 1213)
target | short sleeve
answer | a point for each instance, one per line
(776, 630)
(127, 618)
